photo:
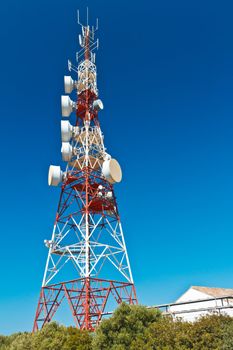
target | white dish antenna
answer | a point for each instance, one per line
(67, 106)
(55, 175)
(112, 171)
(66, 151)
(69, 84)
(66, 131)
(98, 105)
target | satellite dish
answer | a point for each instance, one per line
(98, 105)
(69, 84)
(67, 106)
(55, 175)
(66, 130)
(66, 151)
(112, 171)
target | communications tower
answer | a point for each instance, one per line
(87, 260)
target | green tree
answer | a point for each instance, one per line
(126, 329)
(131, 328)
(3, 342)
(208, 332)
(212, 332)
(227, 335)
(6, 341)
(169, 334)
(23, 341)
(77, 339)
(52, 336)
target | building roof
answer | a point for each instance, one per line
(215, 292)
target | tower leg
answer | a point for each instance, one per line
(87, 298)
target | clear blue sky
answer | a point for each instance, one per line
(165, 75)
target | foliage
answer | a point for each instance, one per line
(51, 337)
(131, 328)
(126, 329)
(77, 340)
(6, 341)
(227, 335)
(208, 332)
(22, 341)
(169, 334)
(136, 328)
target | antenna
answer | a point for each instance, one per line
(78, 19)
(94, 29)
(86, 40)
(69, 65)
(80, 40)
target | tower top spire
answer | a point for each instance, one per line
(87, 40)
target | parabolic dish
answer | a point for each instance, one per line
(54, 175)
(112, 171)
(67, 106)
(98, 105)
(66, 151)
(68, 84)
(66, 130)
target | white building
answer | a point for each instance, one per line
(198, 301)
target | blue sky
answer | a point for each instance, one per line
(165, 76)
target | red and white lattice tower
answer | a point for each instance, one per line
(87, 241)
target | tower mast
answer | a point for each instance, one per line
(87, 241)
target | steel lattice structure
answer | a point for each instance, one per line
(87, 233)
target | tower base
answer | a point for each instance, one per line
(87, 298)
